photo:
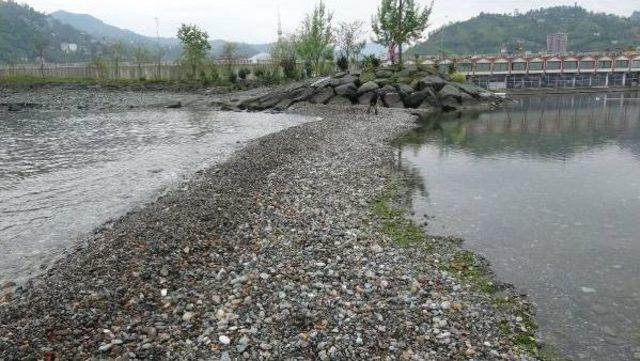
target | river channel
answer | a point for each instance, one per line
(548, 190)
(62, 175)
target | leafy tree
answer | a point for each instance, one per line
(229, 55)
(348, 38)
(195, 45)
(399, 22)
(284, 55)
(315, 37)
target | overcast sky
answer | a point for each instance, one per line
(256, 20)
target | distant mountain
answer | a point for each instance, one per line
(374, 49)
(22, 29)
(487, 33)
(171, 46)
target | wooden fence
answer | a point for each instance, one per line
(164, 71)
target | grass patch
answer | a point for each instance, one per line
(401, 230)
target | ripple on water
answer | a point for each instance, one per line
(60, 177)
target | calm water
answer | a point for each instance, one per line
(549, 191)
(62, 176)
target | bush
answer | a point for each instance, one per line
(243, 73)
(343, 63)
(458, 77)
(367, 76)
(371, 62)
(232, 77)
(259, 72)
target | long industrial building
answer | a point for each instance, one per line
(571, 71)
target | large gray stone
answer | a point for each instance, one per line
(434, 82)
(392, 100)
(347, 90)
(404, 89)
(383, 82)
(368, 87)
(383, 73)
(388, 89)
(323, 96)
(365, 99)
(451, 91)
(336, 82)
(415, 99)
(341, 101)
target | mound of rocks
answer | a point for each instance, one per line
(410, 88)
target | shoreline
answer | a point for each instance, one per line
(277, 252)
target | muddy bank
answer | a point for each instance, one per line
(294, 248)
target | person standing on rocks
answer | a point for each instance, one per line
(373, 103)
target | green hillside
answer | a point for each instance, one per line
(487, 33)
(171, 46)
(22, 29)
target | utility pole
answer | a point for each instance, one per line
(279, 26)
(159, 70)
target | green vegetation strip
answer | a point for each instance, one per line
(391, 210)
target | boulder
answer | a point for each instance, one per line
(388, 89)
(365, 99)
(321, 83)
(347, 90)
(302, 94)
(450, 91)
(384, 73)
(336, 82)
(404, 89)
(368, 87)
(392, 100)
(323, 96)
(283, 104)
(434, 82)
(382, 82)
(415, 99)
(341, 101)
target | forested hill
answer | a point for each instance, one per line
(24, 30)
(486, 33)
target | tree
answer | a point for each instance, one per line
(195, 45)
(284, 54)
(229, 54)
(117, 49)
(348, 39)
(315, 37)
(40, 46)
(399, 22)
(140, 55)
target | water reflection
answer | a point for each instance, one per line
(549, 191)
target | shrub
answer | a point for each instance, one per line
(242, 73)
(371, 62)
(343, 63)
(288, 64)
(232, 77)
(458, 77)
(367, 76)
(259, 72)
